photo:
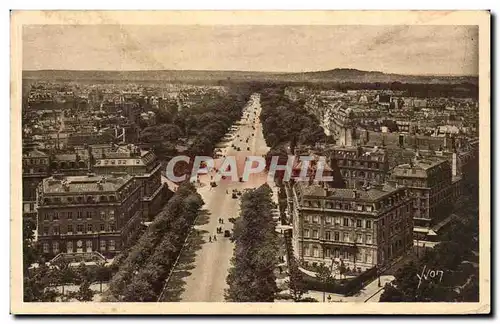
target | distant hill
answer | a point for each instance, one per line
(335, 75)
(358, 76)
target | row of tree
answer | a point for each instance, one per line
(48, 282)
(285, 121)
(143, 271)
(252, 276)
(200, 126)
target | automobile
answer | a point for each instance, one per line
(234, 196)
(248, 149)
(213, 184)
(238, 149)
(227, 233)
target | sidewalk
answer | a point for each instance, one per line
(370, 293)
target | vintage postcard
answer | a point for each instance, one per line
(233, 162)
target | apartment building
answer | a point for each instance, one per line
(359, 228)
(85, 214)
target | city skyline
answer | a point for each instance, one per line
(435, 50)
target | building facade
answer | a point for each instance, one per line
(35, 168)
(358, 228)
(430, 182)
(144, 166)
(86, 214)
(360, 166)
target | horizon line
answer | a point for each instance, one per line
(265, 72)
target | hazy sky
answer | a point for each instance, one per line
(392, 49)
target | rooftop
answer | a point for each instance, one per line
(129, 155)
(34, 153)
(81, 184)
(368, 194)
(418, 168)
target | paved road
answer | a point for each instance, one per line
(207, 280)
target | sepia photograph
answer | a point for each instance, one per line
(250, 162)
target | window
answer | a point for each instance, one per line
(46, 216)
(103, 215)
(69, 215)
(89, 215)
(346, 237)
(89, 228)
(45, 230)
(307, 219)
(306, 250)
(359, 238)
(70, 229)
(315, 219)
(359, 256)
(111, 245)
(102, 245)
(358, 223)
(345, 255)
(337, 220)
(79, 215)
(336, 236)
(315, 252)
(328, 219)
(359, 207)
(55, 247)
(69, 247)
(368, 257)
(315, 234)
(327, 253)
(56, 216)
(46, 247)
(111, 214)
(88, 245)
(102, 228)
(306, 233)
(346, 221)
(56, 230)
(112, 227)
(383, 222)
(328, 236)
(79, 228)
(368, 239)
(368, 224)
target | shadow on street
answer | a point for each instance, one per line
(186, 262)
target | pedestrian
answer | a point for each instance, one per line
(215, 237)
(210, 239)
(281, 270)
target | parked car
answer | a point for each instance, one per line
(234, 196)
(227, 233)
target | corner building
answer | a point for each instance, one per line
(88, 214)
(359, 228)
